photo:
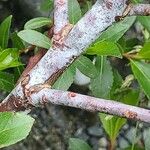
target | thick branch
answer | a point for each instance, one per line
(60, 14)
(140, 9)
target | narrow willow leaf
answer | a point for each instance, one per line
(101, 85)
(145, 51)
(65, 80)
(141, 71)
(78, 144)
(104, 48)
(117, 30)
(17, 42)
(74, 11)
(35, 38)
(86, 66)
(4, 32)
(145, 21)
(9, 58)
(37, 23)
(14, 127)
(6, 81)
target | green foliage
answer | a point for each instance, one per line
(145, 51)
(105, 80)
(6, 81)
(17, 42)
(35, 38)
(104, 48)
(101, 85)
(145, 21)
(14, 127)
(37, 23)
(74, 11)
(9, 58)
(65, 80)
(4, 32)
(78, 144)
(47, 5)
(112, 125)
(86, 66)
(141, 71)
(117, 30)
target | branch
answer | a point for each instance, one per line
(140, 9)
(47, 95)
(90, 104)
(60, 15)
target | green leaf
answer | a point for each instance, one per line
(47, 5)
(101, 85)
(141, 71)
(145, 21)
(145, 51)
(17, 72)
(116, 84)
(74, 11)
(130, 44)
(17, 42)
(86, 67)
(131, 97)
(9, 58)
(65, 80)
(35, 38)
(104, 48)
(112, 125)
(37, 23)
(6, 81)
(4, 32)
(78, 144)
(14, 127)
(117, 30)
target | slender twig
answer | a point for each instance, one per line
(47, 95)
(91, 104)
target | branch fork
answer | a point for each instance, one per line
(32, 88)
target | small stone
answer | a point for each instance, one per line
(95, 131)
(103, 142)
(123, 143)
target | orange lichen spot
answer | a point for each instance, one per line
(130, 114)
(71, 94)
